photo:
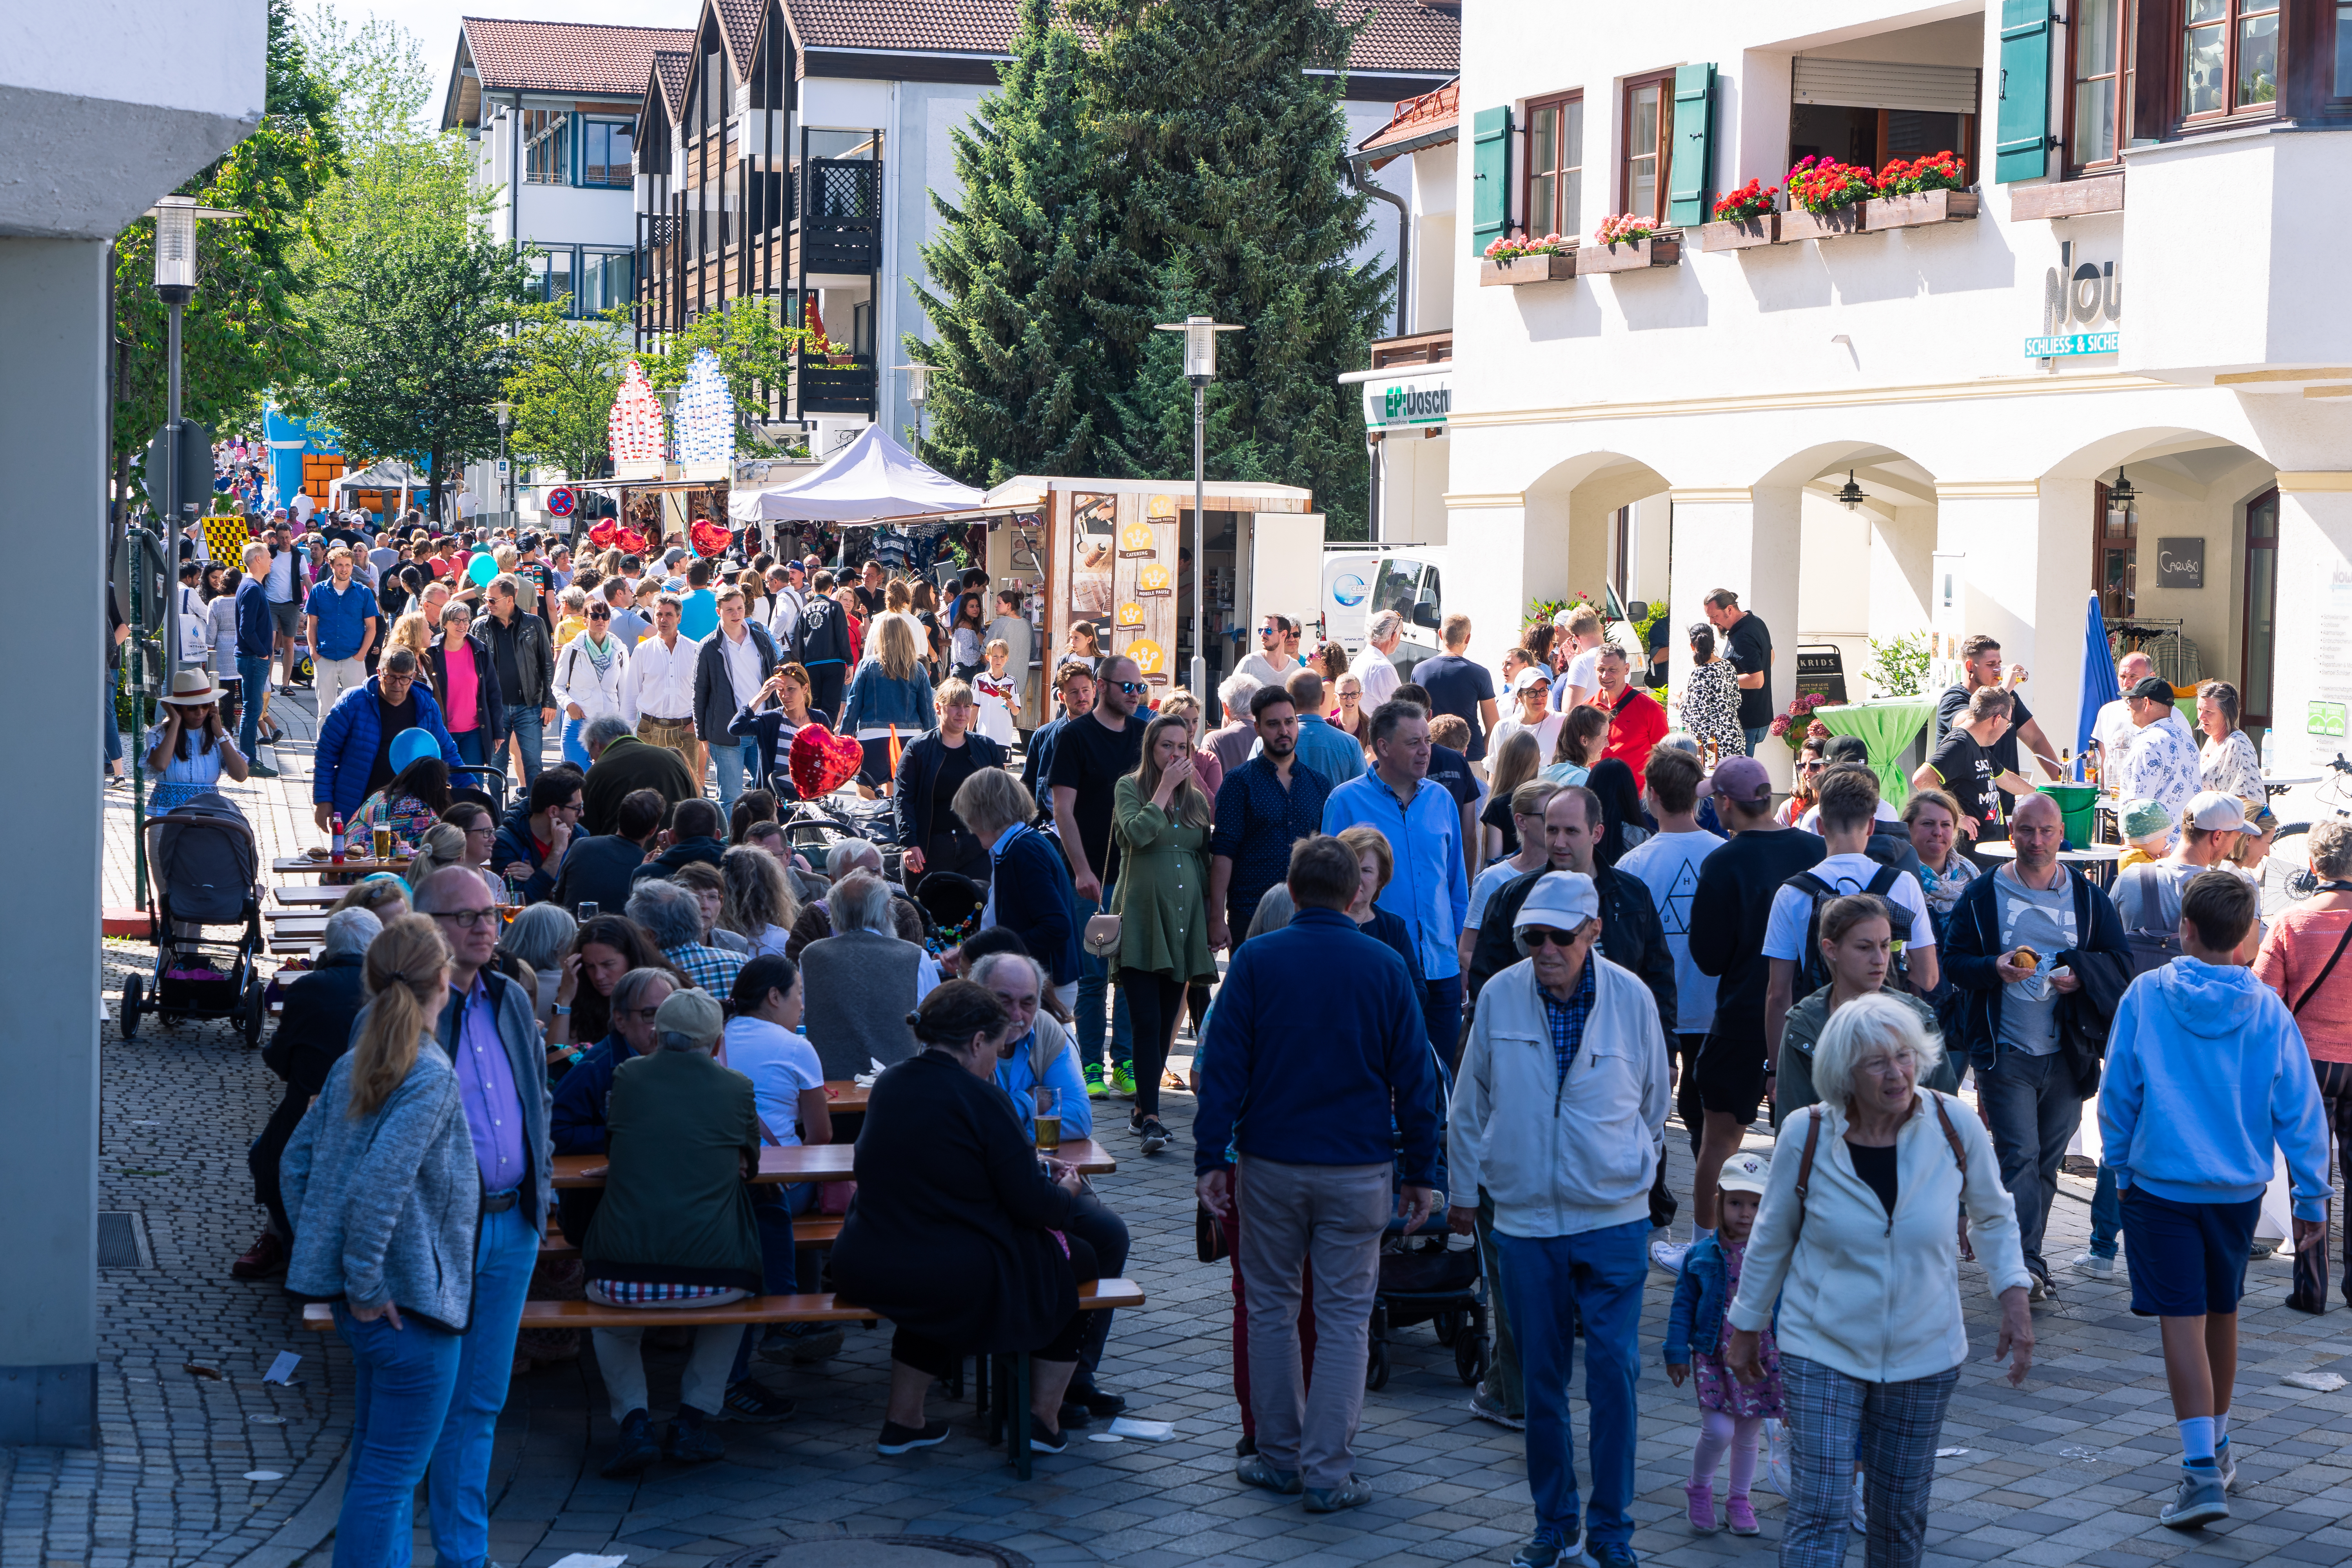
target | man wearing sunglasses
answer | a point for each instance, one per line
(1559, 1120)
(1268, 666)
(491, 1034)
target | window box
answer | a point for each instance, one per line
(1921, 210)
(1548, 267)
(1799, 224)
(1740, 234)
(1631, 256)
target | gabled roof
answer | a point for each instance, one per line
(1406, 36)
(1428, 121)
(670, 68)
(1420, 35)
(510, 56)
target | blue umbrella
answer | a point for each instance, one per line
(2099, 687)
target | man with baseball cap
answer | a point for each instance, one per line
(1729, 914)
(2162, 763)
(2147, 895)
(1559, 1118)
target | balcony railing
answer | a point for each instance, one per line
(821, 387)
(841, 215)
(1421, 348)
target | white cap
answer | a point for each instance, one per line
(1534, 675)
(2218, 812)
(1561, 899)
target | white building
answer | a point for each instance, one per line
(1686, 425)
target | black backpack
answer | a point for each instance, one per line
(1811, 973)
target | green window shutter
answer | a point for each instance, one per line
(2021, 125)
(1691, 172)
(1490, 177)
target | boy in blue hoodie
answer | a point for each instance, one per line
(2205, 1071)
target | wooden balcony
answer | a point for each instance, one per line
(1421, 348)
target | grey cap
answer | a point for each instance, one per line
(692, 1013)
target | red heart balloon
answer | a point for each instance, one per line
(822, 761)
(633, 541)
(602, 535)
(709, 538)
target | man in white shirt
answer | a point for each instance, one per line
(1582, 678)
(1534, 689)
(2115, 728)
(1267, 667)
(285, 588)
(730, 669)
(660, 689)
(302, 507)
(1373, 666)
(787, 604)
(2162, 763)
(468, 503)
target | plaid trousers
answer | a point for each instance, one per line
(1891, 1428)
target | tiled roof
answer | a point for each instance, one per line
(1402, 35)
(740, 18)
(566, 57)
(1418, 120)
(670, 68)
(1406, 36)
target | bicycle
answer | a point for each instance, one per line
(2286, 878)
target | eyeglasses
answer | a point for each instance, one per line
(1132, 688)
(1545, 936)
(1816, 765)
(466, 920)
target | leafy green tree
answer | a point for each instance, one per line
(564, 385)
(755, 350)
(246, 329)
(374, 72)
(1037, 311)
(1232, 161)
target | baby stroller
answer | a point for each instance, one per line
(205, 873)
(482, 784)
(1425, 1281)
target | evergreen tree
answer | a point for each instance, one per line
(1038, 309)
(1232, 165)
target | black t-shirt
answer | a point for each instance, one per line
(1729, 917)
(1450, 768)
(502, 638)
(1456, 686)
(1968, 770)
(1952, 708)
(1091, 758)
(1748, 646)
(390, 722)
(869, 601)
(955, 766)
(1876, 1168)
(1497, 815)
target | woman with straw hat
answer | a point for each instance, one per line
(188, 748)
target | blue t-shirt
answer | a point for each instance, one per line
(697, 614)
(342, 617)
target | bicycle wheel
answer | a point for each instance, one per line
(2286, 876)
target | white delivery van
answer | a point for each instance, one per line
(1361, 580)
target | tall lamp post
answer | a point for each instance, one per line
(175, 285)
(1200, 369)
(505, 411)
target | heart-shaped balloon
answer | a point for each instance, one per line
(602, 535)
(709, 538)
(633, 541)
(822, 761)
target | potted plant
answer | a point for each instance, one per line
(1743, 218)
(1627, 244)
(1931, 188)
(1795, 725)
(1825, 197)
(1516, 259)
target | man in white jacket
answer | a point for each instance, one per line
(1559, 1114)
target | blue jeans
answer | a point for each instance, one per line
(459, 1483)
(573, 751)
(469, 747)
(531, 733)
(1547, 1283)
(2106, 1214)
(732, 760)
(2032, 1111)
(1094, 981)
(402, 1380)
(254, 674)
(1756, 737)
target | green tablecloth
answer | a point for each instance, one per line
(1886, 727)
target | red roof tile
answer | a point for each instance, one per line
(740, 18)
(1402, 35)
(566, 57)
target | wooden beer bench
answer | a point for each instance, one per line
(820, 1163)
(1094, 1295)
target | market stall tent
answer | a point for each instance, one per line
(873, 478)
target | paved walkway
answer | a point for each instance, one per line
(2070, 1469)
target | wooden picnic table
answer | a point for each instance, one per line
(309, 897)
(841, 1094)
(300, 864)
(819, 1162)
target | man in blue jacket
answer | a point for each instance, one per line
(353, 756)
(257, 633)
(1332, 1073)
(2206, 1074)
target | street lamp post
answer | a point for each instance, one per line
(919, 393)
(1200, 368)
(505, 411)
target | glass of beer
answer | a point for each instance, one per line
(1049, 1116)
(383, 835)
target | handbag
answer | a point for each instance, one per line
(1102, 934)
(1208, 1234)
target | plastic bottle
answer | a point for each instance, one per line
(335, 838)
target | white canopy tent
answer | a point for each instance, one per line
(873, 478)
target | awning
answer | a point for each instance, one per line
(873, 478)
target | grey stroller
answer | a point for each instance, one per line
(205, 873)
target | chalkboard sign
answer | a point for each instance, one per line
(1820, 672)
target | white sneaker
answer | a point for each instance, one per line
(2093, 1263)
(1666, 1258)
(1861, 1518)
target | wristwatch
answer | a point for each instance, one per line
(561, 1010)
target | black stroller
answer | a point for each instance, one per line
(205, 872)
(1425, 1281)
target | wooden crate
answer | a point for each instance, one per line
(1631, 256)
(1921, 210)
(1550, 267)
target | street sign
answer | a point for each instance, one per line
(560, 501)
(502, 468)
(195, 464)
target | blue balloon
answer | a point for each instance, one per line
(409, 745)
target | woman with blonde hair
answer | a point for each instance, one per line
(443, 845)
(382, 894)
(414, 631)
(757, 903)
(1160, 817)
(381, 1184)
(890, 698)
(1518, 760)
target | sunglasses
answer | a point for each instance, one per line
(1812, 767)
(600, 614)
(1545, 936)
(1132, 688)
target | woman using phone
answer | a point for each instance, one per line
(1161, 817)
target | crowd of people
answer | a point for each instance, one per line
(1449, 960)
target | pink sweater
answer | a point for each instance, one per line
(2297, 948)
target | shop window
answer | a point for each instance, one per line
(546, 140)
(2095, 105)
(2260, 642)
(1554, 199)
(2228, 56)
(1646, 163)
(604, 153)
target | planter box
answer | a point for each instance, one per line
(1918, 211)
(1740, 234)
(1799, 224)
(1550, 267)
(1631, 256)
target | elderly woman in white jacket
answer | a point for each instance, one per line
(1857, 1243)
(591, 675)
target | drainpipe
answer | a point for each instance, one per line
(514, 180)
(1356, 178)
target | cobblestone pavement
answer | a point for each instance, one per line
(2070, 1469)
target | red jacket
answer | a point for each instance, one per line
(1635, 725)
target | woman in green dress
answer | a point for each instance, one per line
(1159, 816)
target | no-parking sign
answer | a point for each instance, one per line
(560, 501)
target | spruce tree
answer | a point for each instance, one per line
(1232, 165)
(1038, 310)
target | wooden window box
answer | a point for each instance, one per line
(2067, 198)
(1799, 224)
(1923, 210)
(1550, 267)
(1631, 256)
(1740, 234)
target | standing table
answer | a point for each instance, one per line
(1886, 726)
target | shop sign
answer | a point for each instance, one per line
(2081, 301)
(2180, 563)
(2074, 343)
(1820, 672)
(1400, 405)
